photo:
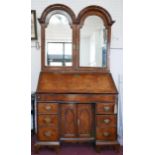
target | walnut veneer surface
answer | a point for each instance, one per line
(76, 83)
(76, 104)
(75, 107)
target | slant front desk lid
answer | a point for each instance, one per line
(75, 83)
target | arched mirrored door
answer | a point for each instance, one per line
(58, 41)
(93, 43)
(75, 44)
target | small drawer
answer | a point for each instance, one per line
(105, 108)
(107, 134)
(48, 134)
(48, 108)
(48, 120)
(106, 120)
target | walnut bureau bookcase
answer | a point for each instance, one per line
(76, 95)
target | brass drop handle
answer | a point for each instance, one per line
(48, 133)
(106, 121)
(47, 120)
(48, 107)
(106, 134)
(106, 108)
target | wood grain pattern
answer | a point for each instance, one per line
(76, 83)
(68, 121)
(48, 120)
(106, 134)
(106, 121)
(48, 134)
(105, 108)
(85, 120)
(82, 98)
(76, 104)
(47, 108)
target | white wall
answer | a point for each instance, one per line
(114, 7)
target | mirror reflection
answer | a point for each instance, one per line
(93, 43)
(58, 40)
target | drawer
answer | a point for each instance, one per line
(106, 120)
(107, 134)
(105, 108)
(48, 108)
(48, 134)
(48, 120)
(76, 97)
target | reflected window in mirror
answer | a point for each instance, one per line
(93, 43)
(59, 54)
(58, 36)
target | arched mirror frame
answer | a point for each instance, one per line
(107, 21)
(76, 25)
(43, 20)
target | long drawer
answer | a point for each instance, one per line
(76, 97)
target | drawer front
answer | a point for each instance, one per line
(48, 134)
(105, 108)
(106, 120)
(48, 108)
(48, 120)
(106, 134)
(76, 97)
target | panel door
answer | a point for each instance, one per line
(85, 120)
(68, 121)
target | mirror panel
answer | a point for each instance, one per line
(93, 43)
(58, 41)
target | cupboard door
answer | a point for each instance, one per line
(68, 121)
(85, 120)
